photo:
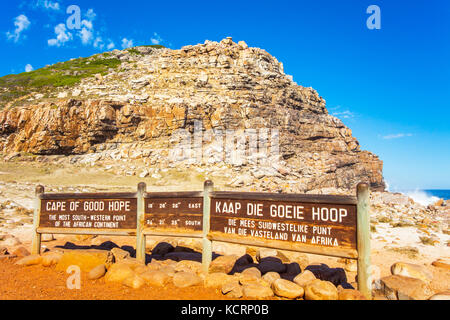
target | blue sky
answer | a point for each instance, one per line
(391, 86)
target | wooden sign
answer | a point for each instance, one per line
(108, 212)
(314, 224)
(179, 212)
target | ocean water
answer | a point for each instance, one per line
(426, 197)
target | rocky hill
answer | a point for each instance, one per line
(126, 106)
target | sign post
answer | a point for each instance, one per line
(36, 241)
(207, 244)
(363, 240)
(140, 236)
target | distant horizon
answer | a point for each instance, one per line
(390, 85)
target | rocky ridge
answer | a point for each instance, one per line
(131, 114)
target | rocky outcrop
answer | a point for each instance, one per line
(135, 111)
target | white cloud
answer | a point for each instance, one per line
(22, 23)
(111, 45)
(127, 43)
(344, 114)
(397, 136)
(90, 14)
(62, 36)
(28, 68)
(85, 35)
(98, 43)
(156, 39)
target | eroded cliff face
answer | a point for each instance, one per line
(133, 112)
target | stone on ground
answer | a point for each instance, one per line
(84, 259)
(304, 278)
(442, 263)
(97, 272)
(257, 291)
(30, 260)
(397, 287)
(21, 252)
(223, 264)
(217, 279)
(287, 289)
(441, 296)
(351, 294)
(118, 272)
(51, 258)
(232, 289)
(134, 281)
(189, 266)
(155, 278)
(412, 271)
(320, 290)
(119, 254)
(186, 279)
(270, 277)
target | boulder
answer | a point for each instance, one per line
(118, 272)
(97, 272)
(189, 266)
(223, 264)
(163, 248)
(287, 289)
(320, 290)
(256, 291)
(217, 279)
(85, 259)
(134, 281)
(253, 272)
(336, 276)
(169, 270)
(155, 278)
(119, 254)
(397, 287)
(441, 296)
(51, 258)
(442, 263)
(30, 260)
(412, 271)
(232, 289)
(21, 252)
(186, 279)
(351, 294)
(304, 278)
(270, 277)
(271, 266)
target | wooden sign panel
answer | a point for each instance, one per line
(285, 223)
(174, 214)
(74, 212)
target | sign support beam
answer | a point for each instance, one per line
(140, 236)
(36, 240)
(207, 244)
(363, 240)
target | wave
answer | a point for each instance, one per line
(422, 197)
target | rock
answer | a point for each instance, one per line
(271, 266)
(11, 242)
(189, 266)
(397, 287)
(169, 270)
(232, 289)
(304, 278)
(186, 279)
(84, 259)
(262, 253)
(162, 248)
(223, 264)
(134, 281)
(217, 280)
(351, 265)
(256, 291)
(3, 251)
(411, 270)
(97, 272)
(442, 263)
(336, 276)
(253, 272)
(155, 278)
(270, 277)
(21, 252)
(51, 258)
(351, 294)
(30, 260)
(441, 296)
(287, 289)
(118, 272)
(119, 254)
(320, 290)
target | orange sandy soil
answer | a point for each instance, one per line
(41, 283)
